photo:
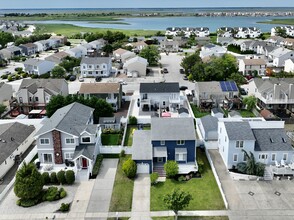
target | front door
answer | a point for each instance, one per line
(159, 159)
(84, 163)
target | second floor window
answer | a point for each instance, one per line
(69, 140)
(36, 99)
(44, 141)
(239, 144)
(86, 139)
(180, 142)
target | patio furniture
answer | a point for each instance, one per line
(283, 163)
(278, 165)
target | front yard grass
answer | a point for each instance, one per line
(122, 194)
(246, 114)
(197, 112)
(204, 191)
(130, 133)
(110, 139)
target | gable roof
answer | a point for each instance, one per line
(274, 139)
(95, 60)
(142, 149)
(172, 129)
(159, 87)
(239, 130)
(36, 62)
(52, 86)
(120, 51)
(68, 119)
(85, 151)
(99, 88)
(136, 59)
(209, 123)
(12, 135)
(254, 62)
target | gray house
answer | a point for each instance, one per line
(96, 66)
(11, 52)
(29, 48)
(5, 91)
(38, 67)
(69, 136)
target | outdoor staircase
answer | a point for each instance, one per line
(268, 175)
(160, 170)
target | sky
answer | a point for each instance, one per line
(21, 4)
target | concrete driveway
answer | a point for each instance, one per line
(255, 199)
(141, 197)
(102, 190)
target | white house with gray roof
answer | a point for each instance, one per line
(70, 137)
(36, 94)
(38, 67)
(289, 65)
(267, 140)
(15, 139)
(96, 66)
(280, 55)
(160, 95)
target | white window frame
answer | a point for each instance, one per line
(240, 144)
(162, 142)
(285, 154)
(85, 137)
(260, 156)
(40, 141)
(181, 157)
(68, 156)
(180, 142)
(69, 143)
(274, 158)
(47, 154)
(235, 155)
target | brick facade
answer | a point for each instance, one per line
(57, 147)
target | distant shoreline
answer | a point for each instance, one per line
(279, 21)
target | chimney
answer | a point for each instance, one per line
(277, 91)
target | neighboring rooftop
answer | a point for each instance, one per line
(142, 149)
(209, 123)
(159, 87)
(173, 129)
(254, 62)
(99, 88)
(52, 86)
(96, 60)
(239, 131)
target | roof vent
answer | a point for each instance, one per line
(272, 141)
(3, 141)
(284, 140)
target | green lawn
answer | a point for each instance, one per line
(193, 218)
(110, 139)
(69, 30)
(246, 114)
(279, 21)
(197, 112)
(205, 192)
(122, 194)
(130, 132)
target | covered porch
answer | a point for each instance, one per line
(159, 155)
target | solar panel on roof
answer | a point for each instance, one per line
(234, 87)
(228, 85)
(223, 86)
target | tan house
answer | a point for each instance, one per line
(250, 66)
(111, 92)
(57, 57)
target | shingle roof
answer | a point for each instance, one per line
(99, 88)
(68, 119)
(271, 140)
(142, 149)
(239, 130)
(12, 135)
(52, 86)
(36, 62)
(209, 123)
(173, 129)
(95, 60)
(159, 87)
(84, 150)
(254, 62)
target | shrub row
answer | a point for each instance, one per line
(62, 177)
(97, 166)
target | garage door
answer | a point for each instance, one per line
(142, 168)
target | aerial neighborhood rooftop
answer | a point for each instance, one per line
(112, 125)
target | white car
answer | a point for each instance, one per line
(81, 79)
(122, 82)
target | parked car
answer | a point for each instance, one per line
(98, 79)
(164, 70)
(185, 77)
(72, 78)
(122, 82)
(183, 88)
(182, 71)
(81, 79)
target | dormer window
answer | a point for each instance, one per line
(86, 139)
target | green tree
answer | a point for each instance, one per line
(70, 177)
(151, 54)
(252, 167)
(190, 61)
(250, 102)
(129, 167)
(171, 168)
(58, 72)
(238, 78)
(177, 200)
(56, 102)
(69, 63)
(132, 120)
(28, 182)
(2, 109)
(5, 38)
(281, 32)
(153, 178)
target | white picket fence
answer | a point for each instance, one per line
(115, 149)
(28, 159)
